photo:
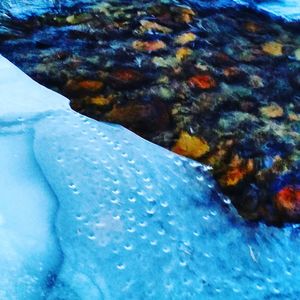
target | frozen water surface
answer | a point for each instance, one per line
(91, 211)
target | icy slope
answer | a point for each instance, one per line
(91, 211)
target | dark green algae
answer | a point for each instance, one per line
(228, 77)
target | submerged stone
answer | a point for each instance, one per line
(149, 46)
(185, 38)
(190, 146)
(273, 48)
(202, 82)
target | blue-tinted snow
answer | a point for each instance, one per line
(26, 98)
(91, 211)
(29, 252)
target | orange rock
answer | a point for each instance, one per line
(203, 82)
(287, 200)
(273, 48)
(237, 171)
(91, 85)
(190, 146)
(185, 38)
(233, 177)
(149, 46)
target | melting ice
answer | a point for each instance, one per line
(89, 210)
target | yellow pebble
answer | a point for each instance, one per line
(191, 146)
(273, 48)
(185, 38)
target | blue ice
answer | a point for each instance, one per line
(89, 210)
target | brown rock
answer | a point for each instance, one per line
(142, 118)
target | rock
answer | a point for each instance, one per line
(237, 171)
(92, 85)
(166, 93)
(202, 82)
(125, 77)
(149, 46)
(153, 26)
(143, 118)
(84, 85)
(297, 54)
(273, 48)
(186, 15)
(272, 111)
(185, 38)
(256, 81)
(78, 19)
(287, 200)
(294, 117)
(190, 146)
(100, 100)
(165, 62)
(182, 53)
(252, 27)
(233, 74)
